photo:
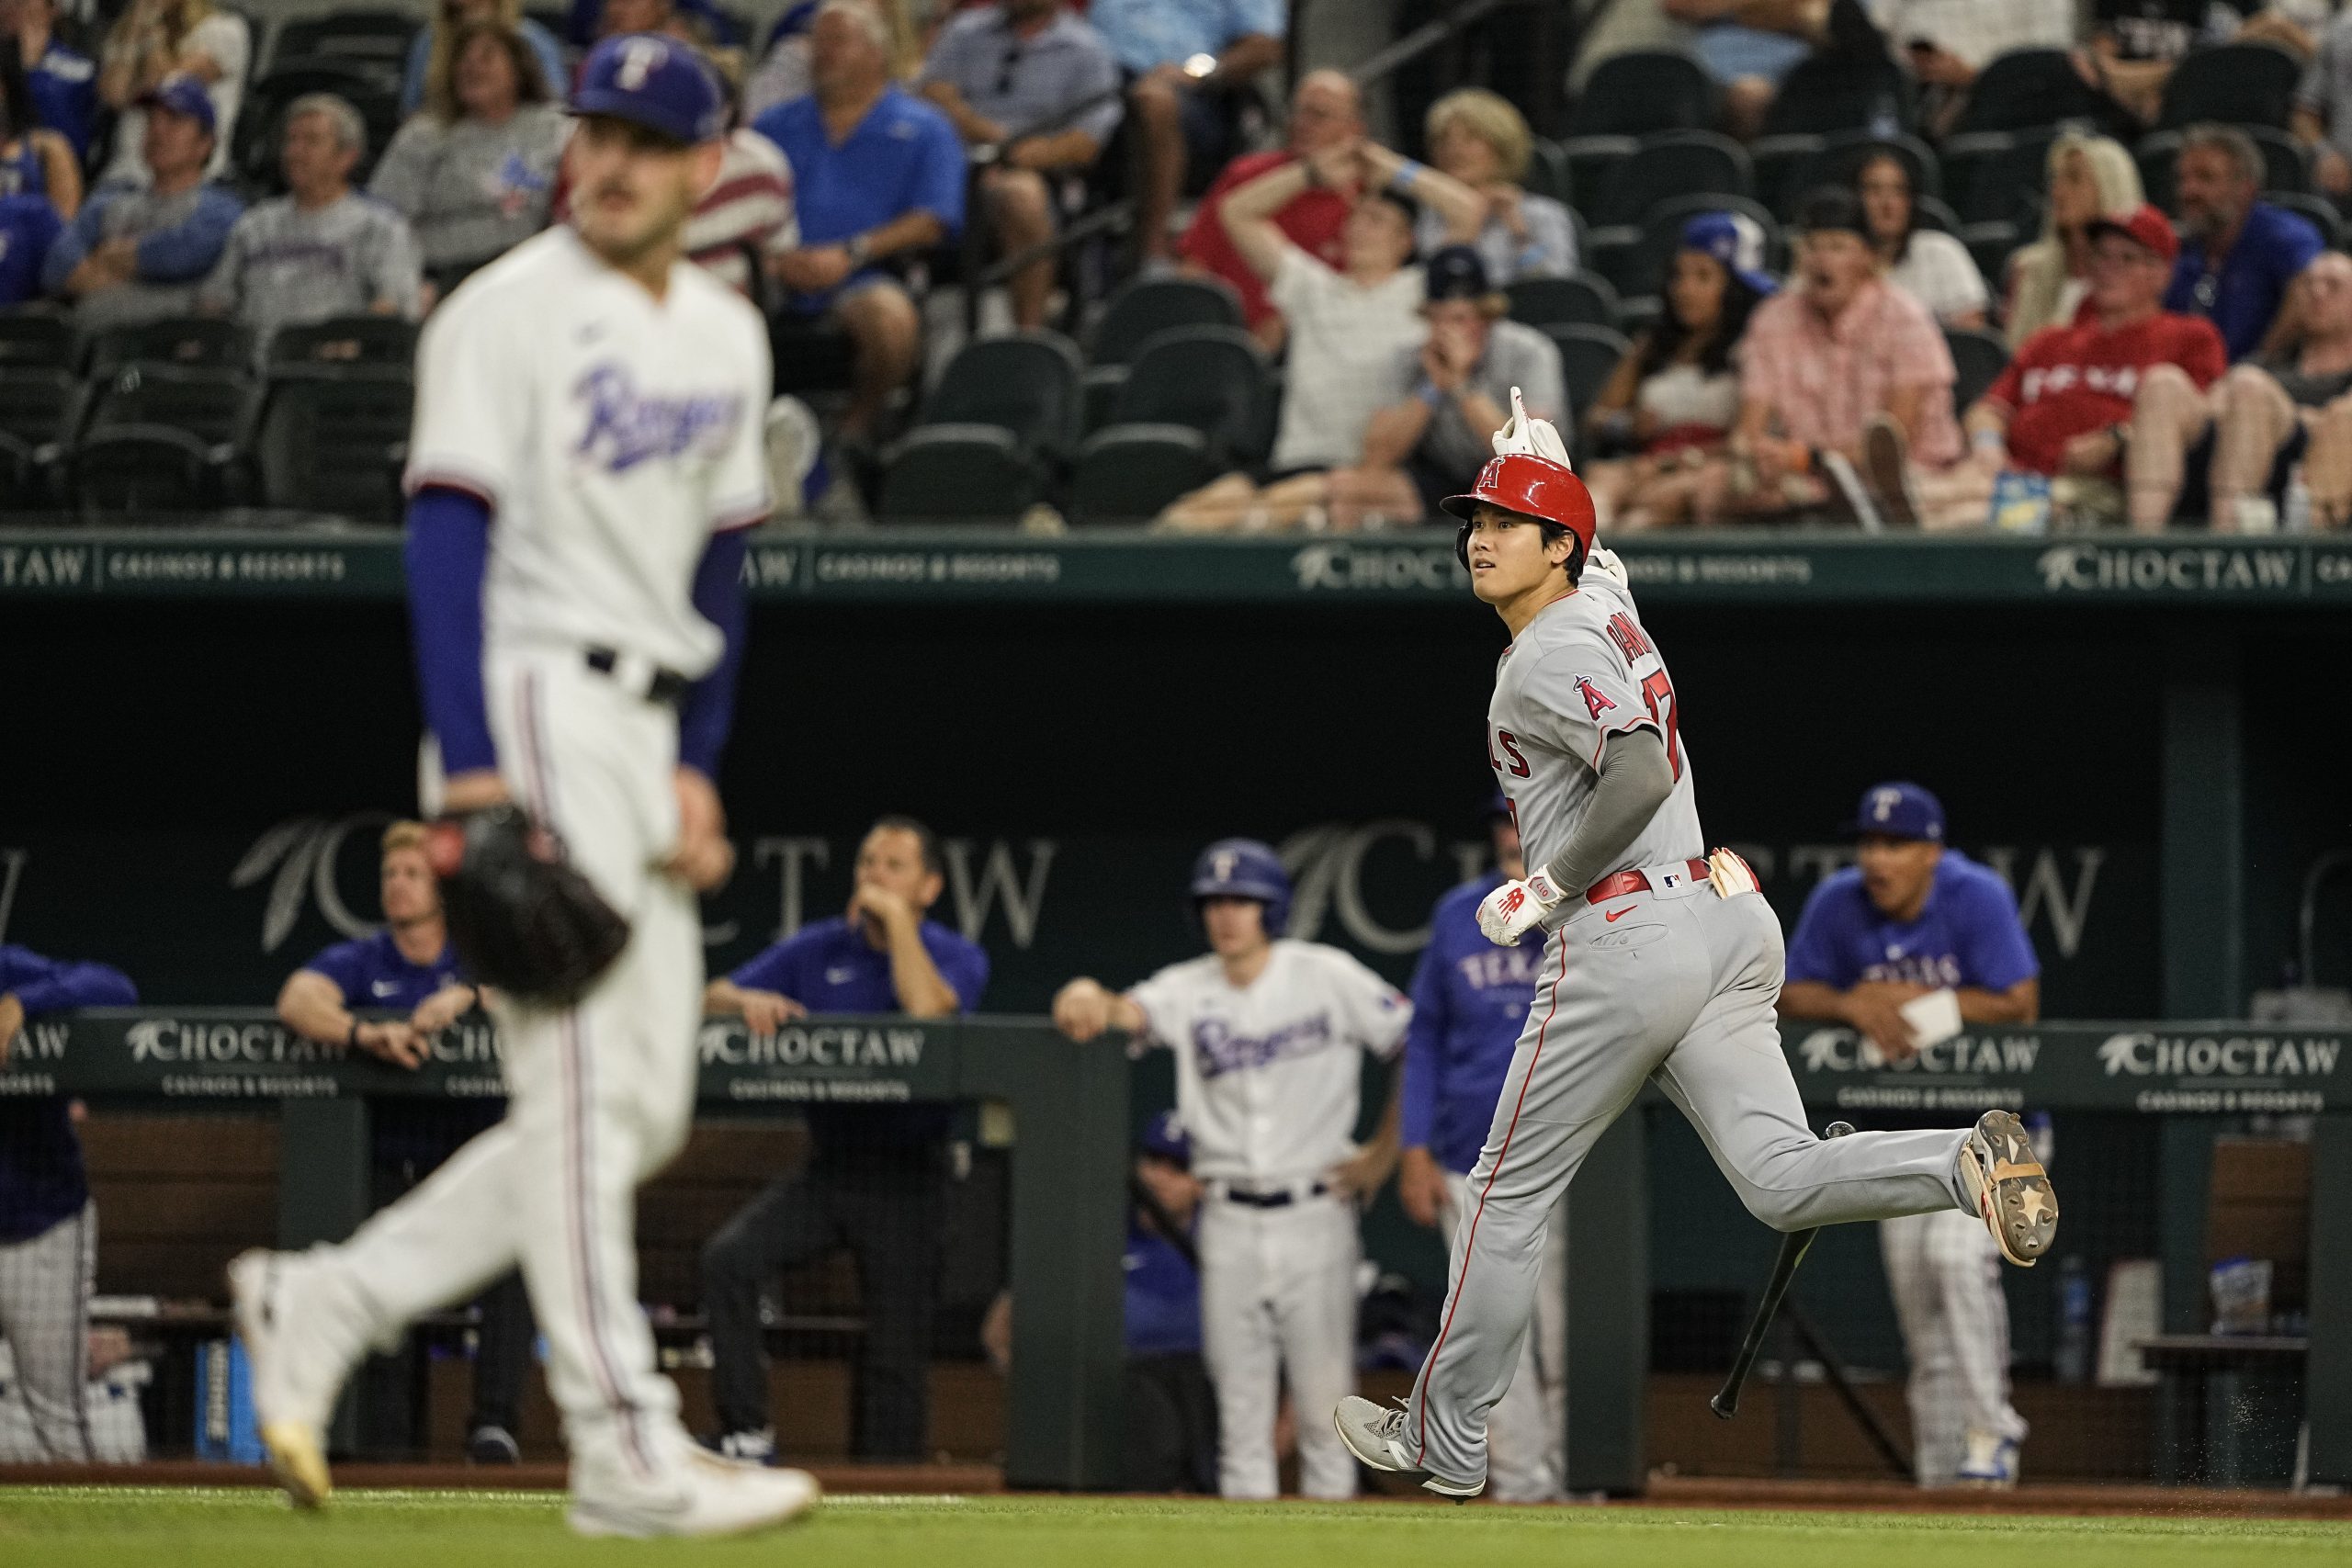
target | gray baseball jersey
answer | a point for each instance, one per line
(1585, 670)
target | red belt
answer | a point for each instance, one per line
(1616, 884)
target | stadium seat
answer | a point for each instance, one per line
(159, 438)
(1827, 94)
(39, 403)
(2318, 210)
(1548, 172)
(961, 473)
(1997, 177)
(189, 342)
(1588, 357)
(1587, 298)
(1592, 159)
(1979, 356)
(1129, 473)
(2287, 162)
(2237, 84)
(377, 40)
(1210, 380)
(329, 439)
(1992, 244)
(1674, 162)
(1637, 267)
(1026, 384)
(346, 339)
(1642, 91)
(2028, 89)
(1934, 213)
(1146, 307)
(1841, 156)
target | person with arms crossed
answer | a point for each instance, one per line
(876, 1174)
(1470, 1001)
(601, 397)
(1912, 919)
(1660, 965)
(1268, 1033)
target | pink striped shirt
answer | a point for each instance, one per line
(1824, 379)
(751, 203)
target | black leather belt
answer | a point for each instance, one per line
(661, 686)
(1282, 1200)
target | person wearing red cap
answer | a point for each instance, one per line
(2114, 398)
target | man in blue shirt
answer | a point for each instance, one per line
(876, 1172)
(1470, 1002)
(28, 226)
(1910, 919)
(64, 85)
(406, 975)
(2242, 254)
(1172, 1407)
(875, 173)
(49, 1227)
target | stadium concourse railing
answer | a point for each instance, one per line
(1069, 1110)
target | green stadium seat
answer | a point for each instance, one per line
(330, 438)
(2236, 84)
(1025, 383)
(959, 473)
(1586, 298)
(1129, 473)
(1674, 162)
(1643, 91)
(1979, 356)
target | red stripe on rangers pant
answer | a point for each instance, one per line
(1470, 1245)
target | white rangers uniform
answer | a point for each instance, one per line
(611, 433)
(1267, 1082)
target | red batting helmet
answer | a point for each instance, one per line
(1533, 487)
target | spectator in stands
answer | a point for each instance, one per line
(48, 1224)
(2296, 399)
(1349, 327)
(2243, 252)
(1036, 86)
(64, 83)
(1325, 112)
(156, 40)
(1927, 263)
(28, 227)
(874, 1174)
(1674, 398)
(1911, 919)
(2322, 119)
(34, 160)
(1839, 357)
(782, 74)
(134, 255)
(1752, 46)
(2135, 44)
(321, 249)
(1189, 64)
(434, 60)
(407, 971)
(1944, 44)
(2106, 407)
(474, 171)
(1480, 140)
(1171, 1405)
(878, 172)
(2090, 177)
(744, 221)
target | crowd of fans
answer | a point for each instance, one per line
(1395, 295)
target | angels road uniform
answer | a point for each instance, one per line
(1654, 976)
(1267, 1080)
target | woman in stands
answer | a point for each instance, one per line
(1930, 266)
(1675, 397)
(1480, 138)
(433, 57)
(2090, 176)
(155, 38)
(475, 171)
(34, 161)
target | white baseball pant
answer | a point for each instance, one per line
(1278, 1298)
(1944, 1270)
(1675, 985)
(600, 1095)
(45, 1285)
(1527, 1431)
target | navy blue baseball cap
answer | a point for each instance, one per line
(656, 81)
(1165, 1137)
(1898, 811)
(180, 92)
(1454, 273)
(1737, 241)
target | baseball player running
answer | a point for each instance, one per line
(1267, 1032)
(601, 398)
(1660, 963)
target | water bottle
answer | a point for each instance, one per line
(2021, 502)
(2071, 1357)
(2296, 516)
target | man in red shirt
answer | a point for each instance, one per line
(2119, 396)
(1326, 111)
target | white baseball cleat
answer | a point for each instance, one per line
(2007, 1188)
(709, 1496)
(296, 1375)
(1376, 1434)
(1991, 1460)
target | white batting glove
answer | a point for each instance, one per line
(1515, 908)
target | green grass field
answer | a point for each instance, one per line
(113, 1527)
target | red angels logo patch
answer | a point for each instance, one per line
(1595, 704)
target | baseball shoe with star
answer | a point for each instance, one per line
(2008, 1188)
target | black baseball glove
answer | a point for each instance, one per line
(522, 918)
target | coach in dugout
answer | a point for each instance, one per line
(1911, 919)
(875, 1173)
(408, 970)
(1470, 1002)
(49, 1227)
